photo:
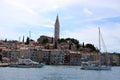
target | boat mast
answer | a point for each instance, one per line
(104, 47)
(99, 46)
(99, 39)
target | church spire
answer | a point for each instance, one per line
(56, 32)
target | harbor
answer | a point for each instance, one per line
(59, 40)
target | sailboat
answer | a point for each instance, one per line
(91, 65)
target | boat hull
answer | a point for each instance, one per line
(26, 66)
(4, 65)
(96, 67)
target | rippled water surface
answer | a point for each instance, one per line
(57, 73)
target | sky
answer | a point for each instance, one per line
(79, 19)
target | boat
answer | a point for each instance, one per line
(95, 65)
(92, 66)
(4, 64)
(26, 63)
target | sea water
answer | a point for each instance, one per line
(58, 73)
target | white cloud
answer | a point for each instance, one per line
(45, 5)
(19, 5)
(112, 4)
(30, 11)
(111, 36)
(48, 26)
(87, 11)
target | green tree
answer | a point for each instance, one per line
(90, 46)
(62, 40)
(68, 39)
(75, 41)
(83, 45)
(27, 41)
(78, 46)
(6, 40)
(70, 42)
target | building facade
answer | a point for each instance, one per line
(75, 58)
(54, 56)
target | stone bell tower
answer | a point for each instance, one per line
(56, 32)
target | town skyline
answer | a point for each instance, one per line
(78, 19)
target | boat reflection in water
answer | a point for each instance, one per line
(26, 63)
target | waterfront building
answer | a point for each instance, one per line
(115, 59)
(66, 57)
(56, 57)
(75, 58)
(43, 56)
(90, 56)
(53, 56)
(33, 55)
(14, 50)
(6, 53)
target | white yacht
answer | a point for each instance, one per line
(26, 63)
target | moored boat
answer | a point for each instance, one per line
(4, 64)
(92, 66)
(26, 63)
